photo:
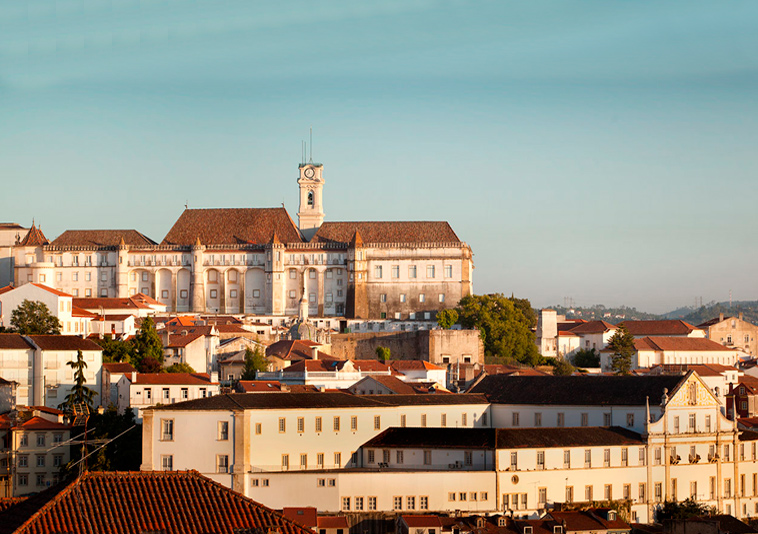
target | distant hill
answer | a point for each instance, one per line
(696, 316)
(598, 312)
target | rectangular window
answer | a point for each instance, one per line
(727, 488)
(606, 457)
(318, 424)
(691, 423)
(410, 503)
(624, 457)
(371, 456)
(540, 459)
(411, 271)
(395, 271)
(386, 456)
(642, 457)
(338, 459)
(567, 459)
(430, 271)
(607, 492)
(399, 457)
(184, 393)
(372, 504)
(727, 450)
(587, 493)
(320, 460)
(561, 420)
(167, 430)
(223, 430)
(587, 458)
(285, 462)
(448, 271)
(301, 424)
(427, 457)
(658, 492)
(378, 271)
(377, 422)
(222, 463)
(358, 503)
(40, 460)
(422, 297)
(693, 489)
(585, 419)
(336, 424)
(346, 503)
(258, 428)
(282, 425)
(167, 462)
(353, 423)
(397, 503)
(514, 461)
(423, 503)
(626, 492)
(468, 458)
(402, 420)
(303, 461)
(657, 456)
(423, 420)
(569, 493)
(443, 419)
(641, 491)
(515, 419)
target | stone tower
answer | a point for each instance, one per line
(311, 212)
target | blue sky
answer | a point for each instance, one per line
(603, 150)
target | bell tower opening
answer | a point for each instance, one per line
(311, 212)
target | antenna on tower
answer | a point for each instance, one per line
(310, 155)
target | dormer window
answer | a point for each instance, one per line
(742, 390)
(528, 530)
(558, 529)
(611, 515)
(501, 522)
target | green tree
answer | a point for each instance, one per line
(80, 394)
(683, 510)
(121, 454)
(622, 345)
(180, 368)
(447, 318)
(561, 367)
(33, 318)
(116, 351)
(505, 331)
(525, 307)
(382, 354)
(148, 348)
(255, 361)
(587, 358)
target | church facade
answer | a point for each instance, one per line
(258, 261)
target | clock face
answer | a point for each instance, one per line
(309, 172)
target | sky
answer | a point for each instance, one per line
(598, 150)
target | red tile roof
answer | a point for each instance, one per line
(232, 226)
(593, 327)
(386, 232)
(706, 369)
(421, 521)
(119, 502)
(177, 379)
(305, 516)
(145, 299)
(678, 343)
(101, 238)
(34, 238)
(672, 327)
(80, 312)
(119, 367)
(259, 386)
(13, 342)
(414, 365)
(393, 384)
(52, 342)
(51, 290)
(6, 289)
(109, 303)
(295, 350)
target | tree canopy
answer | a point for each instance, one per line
(115, 351)
(447, 318)
(179, 368)
(683, 510)
(622, 345)
(255, 361)
(587, 358)
(33, 317)
(561, 367)
(148, 348)
(505, 330)
(383, 354)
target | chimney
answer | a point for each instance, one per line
(314, 352)
(214, 377)
(134, 376)
(721, 316)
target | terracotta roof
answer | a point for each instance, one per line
(232, 226)
(6, 289)
(34, 238)
(386, 232)
(53, 342)
(414, 365)
(316, 400)
(294, 350)
(678, 344)
(392, 383)
(176, 341)
(668, 327)
(333, 521)
(178, 379)
(592, 327)
(259, 386)
(95, 303)
(119, 367)
(501, 369)
(145, 299)
(231, 329)
(421, 521)
(588, 520)
(704, 369)
(80, 312)
(101, 238)
(221, 319)
(305, 516)
(13, 342)
(38, 423)
(119, 502)
(576, 390)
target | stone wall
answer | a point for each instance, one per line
(436, 346)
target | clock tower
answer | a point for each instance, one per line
(311, 212)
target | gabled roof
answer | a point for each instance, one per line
(395, 385)
(101, 238)
(576, 390)
(55, 342)
(300, 349)
(333, 521)
(592, 327)
(421, 521)
(95, 303)
(678, 344)
(13, 342)
(34, 238)
(119, 367)
(667, 327)
(232, 226)
(402, 232)
(702, 369)
(118, 502)
(51, 290)
(259, 386)
(414, 365)
(305, 515)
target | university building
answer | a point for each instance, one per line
(258, 261)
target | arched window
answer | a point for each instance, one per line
(310, 198)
